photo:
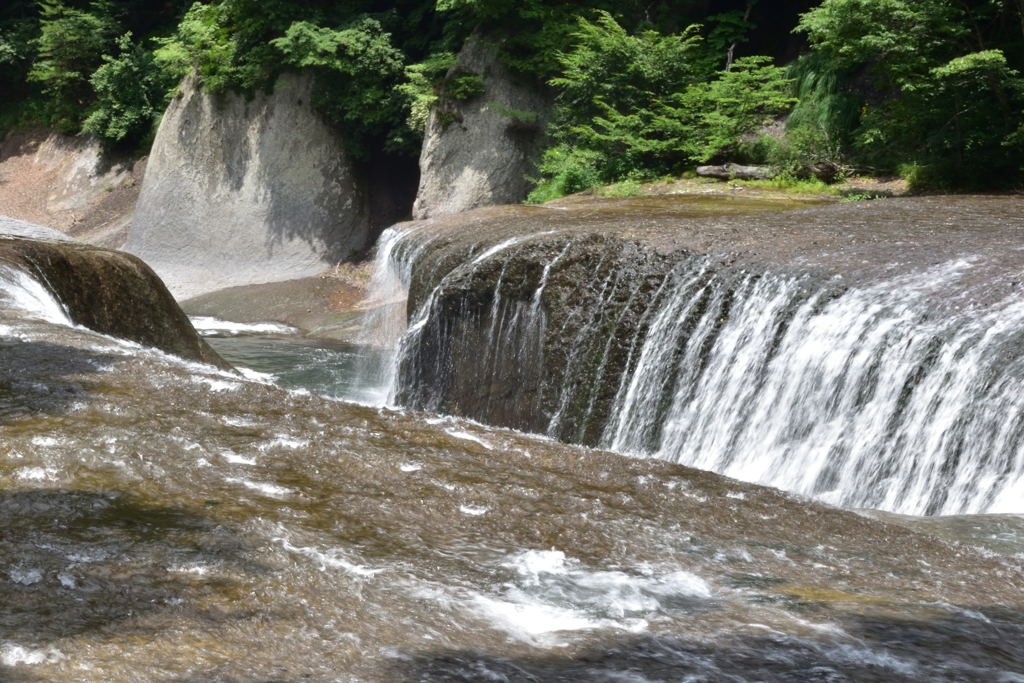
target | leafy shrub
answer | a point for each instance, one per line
(625, 188)
(357, 71)
(130, 92)
(640, 106)
(422, 87)
(565, 170)
(202, 43)
(69, 48)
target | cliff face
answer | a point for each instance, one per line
(244, 191)
(478, 152)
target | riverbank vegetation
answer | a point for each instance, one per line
(928, 89)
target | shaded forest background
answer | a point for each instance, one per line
(928, 89)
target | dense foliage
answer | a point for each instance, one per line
(643, 88)
(933, 81)
(637, 106)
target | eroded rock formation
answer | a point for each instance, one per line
(478, 152)
(241, 191)
(109, 292)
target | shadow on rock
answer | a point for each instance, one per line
(975, 647)
(40, 377)
(74, 562)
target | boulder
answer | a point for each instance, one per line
(109, 292)
(478, 152)
(241, 191)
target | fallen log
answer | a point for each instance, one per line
(737, 172)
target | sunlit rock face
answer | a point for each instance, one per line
(241, 191)
(479, 152)
(106, 291)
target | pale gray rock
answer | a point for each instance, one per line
(17, 228)
(478, 152)
(241, 191)
(732, 171)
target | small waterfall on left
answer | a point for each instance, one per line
(23, 294)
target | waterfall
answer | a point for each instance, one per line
(385, 317)
(387, 325)
(861, 396)
(866, 399)
(23, 294)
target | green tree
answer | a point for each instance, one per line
(422, 87)
(358, 71)
(70, 47)
(131, 93)
(643, 105)
(935, 87)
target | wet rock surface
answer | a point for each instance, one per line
(856, 352)
(109, 292)
(162, 520)
(860, 241)
(324, 306)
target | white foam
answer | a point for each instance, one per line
(218, 385)
(210, 326)
(552, 593)
(332, 558)
(410, 467)
(272, 490)
(466, 436)
(530, 564)
(26, 577)
(12, 655)
(236, 459)
(22, 293)
(34, 474)
(257, 376)
(283, 441)
(194, 568)
(473, 510)
(528, 620)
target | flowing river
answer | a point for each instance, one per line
(165, 520)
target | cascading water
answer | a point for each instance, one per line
(21, 293)
(162, 517)
(863, 400)
(385, 315)
(860, 396)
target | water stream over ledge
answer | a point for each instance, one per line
(895, 391)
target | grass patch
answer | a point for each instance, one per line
(789, 185)
(627, 188)
(545, 191)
